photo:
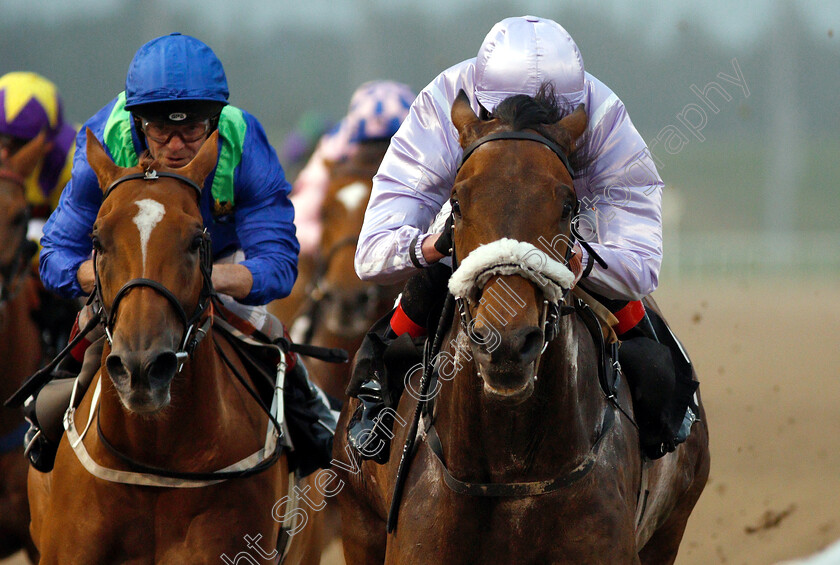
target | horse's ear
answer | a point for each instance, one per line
(24, 161)
(204, 161)
(570, 128)
(464, 119)
(106, 171)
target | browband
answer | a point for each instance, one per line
(526, 135)
(152, 175)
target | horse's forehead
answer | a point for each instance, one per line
(124, 205)
(353, 195)
(149, 214)
(501, 164)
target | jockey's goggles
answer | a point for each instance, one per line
(162, 132)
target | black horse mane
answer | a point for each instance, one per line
(535, 112)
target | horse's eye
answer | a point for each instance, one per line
(568, 208)
(97, 244)
(456, 207)
(196, 243)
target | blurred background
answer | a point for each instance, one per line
(739, 103)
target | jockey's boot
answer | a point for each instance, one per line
(660, 377)
(311, 421)
(392, 345)
(45, 410)
(369, 436)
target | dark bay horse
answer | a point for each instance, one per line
(341, 308)
(20, 341)
(161, 401)
(534, 464)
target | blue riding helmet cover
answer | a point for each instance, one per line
(175, 67)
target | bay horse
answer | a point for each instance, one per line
(165, 401)
(341, 307)
(523, 458)
(20, 340)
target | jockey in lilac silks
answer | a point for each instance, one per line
(406, 234)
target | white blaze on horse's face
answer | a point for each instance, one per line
(150, 214)
(353, 196)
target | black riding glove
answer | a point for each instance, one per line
(443, 245)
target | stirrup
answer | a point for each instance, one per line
(369, 430)
(39, 450)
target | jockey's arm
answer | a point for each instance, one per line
(621, 202)
(66, 243)
(263, 218)
(232, 279)
(409, 190)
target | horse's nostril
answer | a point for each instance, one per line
(532, 343)
(115, 366)
(162, 367)
(482, 336)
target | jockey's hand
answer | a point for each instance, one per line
(429, 249)
(576, 263)
(86, 276)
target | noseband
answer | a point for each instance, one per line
(194, 331)
(552, 277)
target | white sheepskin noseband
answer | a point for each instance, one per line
(511, 257)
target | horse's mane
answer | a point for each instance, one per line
(535, 112)
(147, 161)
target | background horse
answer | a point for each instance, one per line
(534, 464)
(20, 341)
(150, 232)
(338, 308)
(341, 308)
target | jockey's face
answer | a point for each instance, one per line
(175, 145)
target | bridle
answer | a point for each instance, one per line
(194, 328)
(26, 249)
(552, 310)
(555, 290)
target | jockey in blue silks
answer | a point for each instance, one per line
(176, 95)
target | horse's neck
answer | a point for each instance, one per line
(20, 349)
(201, 397)
(487, 440)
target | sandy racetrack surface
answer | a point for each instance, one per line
(769, 365)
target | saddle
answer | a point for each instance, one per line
(658, 372)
